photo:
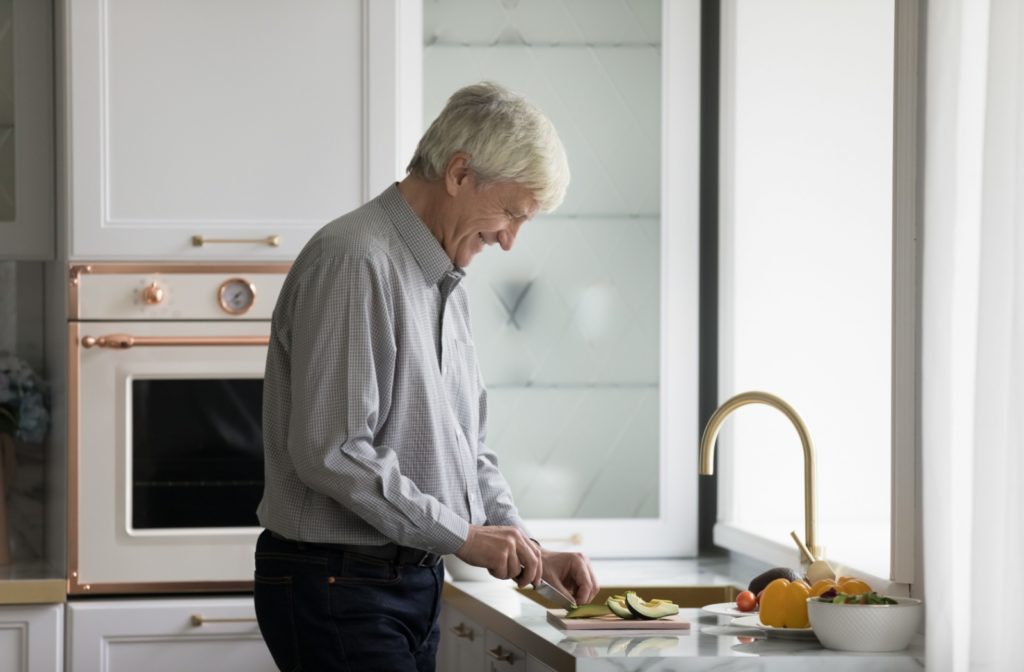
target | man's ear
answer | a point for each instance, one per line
(456, 172)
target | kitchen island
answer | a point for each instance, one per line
(510, 631)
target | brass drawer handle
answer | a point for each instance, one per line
(269, 241)
(198, 620)
(126, 341)
(501, 654)
(462, 632)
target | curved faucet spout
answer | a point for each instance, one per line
(707, 450)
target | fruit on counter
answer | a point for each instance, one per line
(588, 611)
(845, 584)
(617, 604)
(746, 601)
(649, 610)
(620, 605)
(761, 581)
(784, 604)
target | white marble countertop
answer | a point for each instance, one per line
(710, 643)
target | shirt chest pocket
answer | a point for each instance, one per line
(461, 382)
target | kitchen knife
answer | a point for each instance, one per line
(547, 591)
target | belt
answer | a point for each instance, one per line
(400, 555)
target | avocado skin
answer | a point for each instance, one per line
(761, 581)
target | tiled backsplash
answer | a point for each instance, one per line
(567, 323)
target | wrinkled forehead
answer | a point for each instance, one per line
(516, 198)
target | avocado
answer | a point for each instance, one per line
(588, 611)
(759, 582)
(617, 603)
(649, 610)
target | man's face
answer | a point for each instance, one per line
(485, 216)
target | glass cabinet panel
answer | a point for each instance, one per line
(567, 324)
(7, 175)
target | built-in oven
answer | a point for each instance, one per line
(165, 439)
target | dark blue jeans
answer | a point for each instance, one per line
(323, 609)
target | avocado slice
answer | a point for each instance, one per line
(588, 611)
(649, 610)
(617, 603)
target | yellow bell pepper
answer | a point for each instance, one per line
(784, 604)
(845, 584)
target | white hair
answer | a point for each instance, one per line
(507, 140)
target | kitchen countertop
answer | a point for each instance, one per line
(496, 605)
(31, 583)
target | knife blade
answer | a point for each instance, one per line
(547, 591)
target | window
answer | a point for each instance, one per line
(806, 273)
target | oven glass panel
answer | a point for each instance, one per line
(197, 452)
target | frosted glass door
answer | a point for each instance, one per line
(568, 325)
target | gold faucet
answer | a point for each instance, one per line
(707, 451)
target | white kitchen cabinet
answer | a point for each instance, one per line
(26, 130)
(502, 655)
(462, 643)
(244, 124)
(31, 638)
(165, 635)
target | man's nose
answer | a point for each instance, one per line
(507, 237)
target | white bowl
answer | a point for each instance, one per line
(459, 570)
(865, 627)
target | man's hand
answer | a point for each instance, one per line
(505, 551)
(572, 574)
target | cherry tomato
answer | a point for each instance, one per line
(759, 594)
(746, 601)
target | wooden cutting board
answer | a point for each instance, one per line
(557, 618)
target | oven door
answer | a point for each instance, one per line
(166, 466)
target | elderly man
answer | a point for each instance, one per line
(374, 410)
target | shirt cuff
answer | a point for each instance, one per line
(450, 534)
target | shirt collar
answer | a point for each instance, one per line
(427, 251)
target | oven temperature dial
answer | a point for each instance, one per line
(153, 294)
(236, 296)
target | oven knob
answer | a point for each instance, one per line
(153, 294)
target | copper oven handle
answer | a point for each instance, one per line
(125, 341)
(270, 241)
(198, 620)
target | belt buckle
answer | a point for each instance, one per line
(423, 561)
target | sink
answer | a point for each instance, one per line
(687, 597)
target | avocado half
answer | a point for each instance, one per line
(649, 610)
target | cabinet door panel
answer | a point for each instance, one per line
(242, 122)
(30, 638)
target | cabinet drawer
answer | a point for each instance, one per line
(462, 643)
(165, 635)
(501, 656)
